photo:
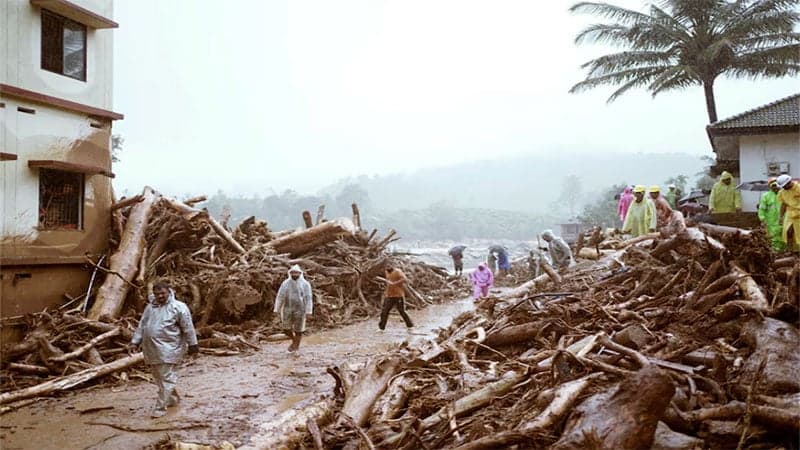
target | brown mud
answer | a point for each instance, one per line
(223, 398)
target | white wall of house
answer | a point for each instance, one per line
(756, 151)
(20, 51)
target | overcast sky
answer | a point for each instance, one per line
(253, 95)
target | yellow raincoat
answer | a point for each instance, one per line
(725, 198)
(641, 217)
(791, 198)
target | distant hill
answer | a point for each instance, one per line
(527, 184)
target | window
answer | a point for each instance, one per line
(60, 200)
(63, 46)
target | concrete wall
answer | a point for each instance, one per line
(40, 266)
(20, 50)
(756, 151)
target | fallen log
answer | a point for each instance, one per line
(70, 381)
(86, 347)
(366, 387)
(776, 418)
(624, 417)
(188, 212)
(776, 342)
(290, 428)
(124, 263)
(564, 397)
(303, 241)
(126, 202)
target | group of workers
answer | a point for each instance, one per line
(554, 252)
(779, 213)
(642, 214)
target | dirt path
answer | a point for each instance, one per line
(224, 398)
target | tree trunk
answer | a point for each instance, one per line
(70, 381)
(624, 417)
(368, 385)
(125, 262)
(711, 103)
(303, 241)
(289, 430)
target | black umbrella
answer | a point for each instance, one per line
(694, 195)
(759, 185)
(497, 249)
(458, 249)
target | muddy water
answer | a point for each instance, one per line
(223, 398)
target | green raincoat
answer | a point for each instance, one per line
(672, 199)
(725, 198)
(769, 211)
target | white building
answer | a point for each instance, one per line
(56, 65)
(758, 144)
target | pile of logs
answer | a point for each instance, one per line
(227, 277)
(684, 342)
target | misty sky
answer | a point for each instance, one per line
(256, 95)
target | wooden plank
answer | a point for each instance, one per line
(77, 13)
(69, 167)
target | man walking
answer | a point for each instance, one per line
(394, 296)
(457, 254)
(559, 250)
(163, 331)
(294, 302)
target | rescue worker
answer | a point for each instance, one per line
(641, 217)
(163, 331)
(663, 210)
(491, 262)
(394, 296)
(790, 211)
(724, 198)
(769, 213)
(560, 253)
(293, 304)
(482, 280)
(457, 254)
(624, 203)
(672, 196)
(503, 263)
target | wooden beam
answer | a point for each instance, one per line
(8, 156)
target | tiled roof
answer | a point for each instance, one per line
(780, 113)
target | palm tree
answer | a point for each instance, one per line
(682, 43)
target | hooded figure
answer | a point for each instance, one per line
(641, 216)
(164, 330)
(624, 203)
(724, 198)
(672, 196)
(769, 213)
(482, 280)
(559, 251)
(294, 302)
(790, 210)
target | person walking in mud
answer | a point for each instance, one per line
(294, 303)
(394, 296)
(163, 331)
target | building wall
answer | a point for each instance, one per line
(40, 266)
(20, 39)
(756, 151)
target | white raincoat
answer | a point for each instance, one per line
(164, 331)
(294, 301)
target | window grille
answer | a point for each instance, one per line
(60, 200)
(63, 46)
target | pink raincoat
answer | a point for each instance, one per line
(482, 279)
(624, 203)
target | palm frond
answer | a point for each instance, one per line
(609, 11)
(626, 60)
(622, 76)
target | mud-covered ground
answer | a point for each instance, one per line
(224, 398)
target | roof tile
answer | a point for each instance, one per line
(780, 113)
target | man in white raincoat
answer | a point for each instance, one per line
(559, 250)
(164, 330)
(293, 303)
